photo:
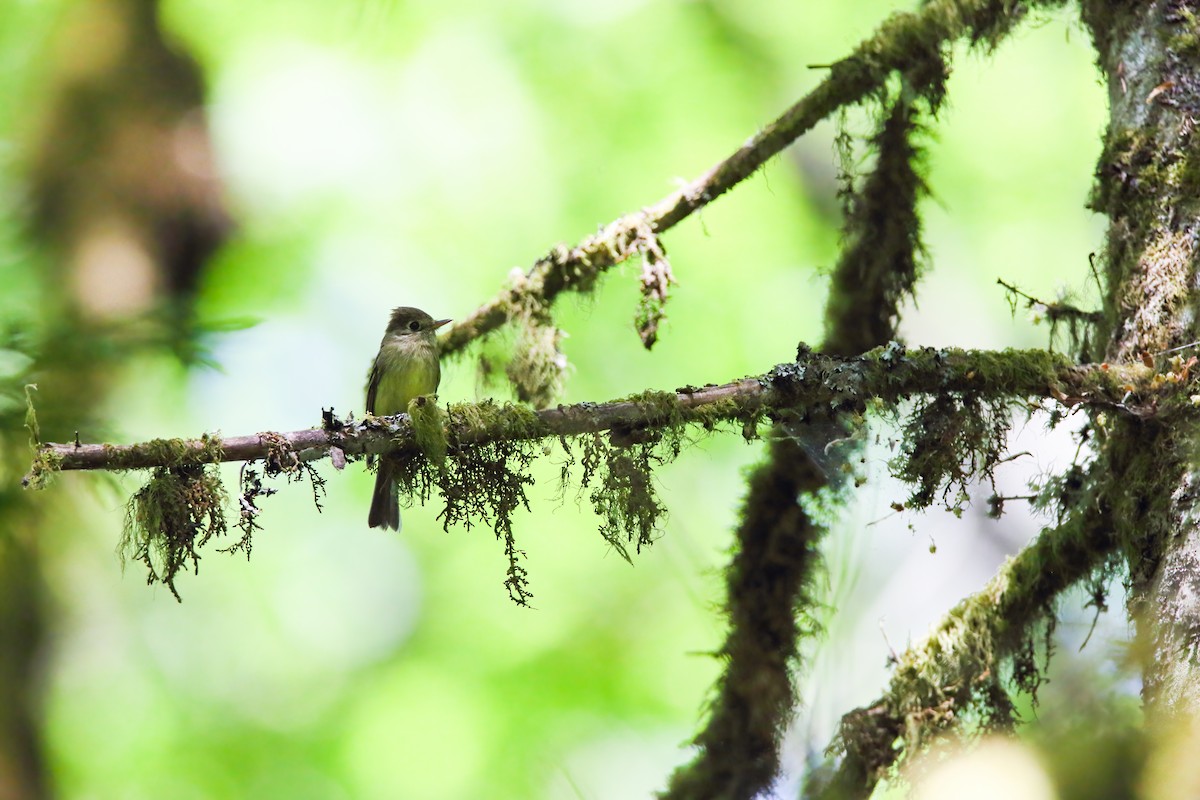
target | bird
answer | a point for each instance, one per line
(405, 367)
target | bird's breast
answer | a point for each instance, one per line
(405, 371)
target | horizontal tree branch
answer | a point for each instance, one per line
(904, 42)
(813, 383)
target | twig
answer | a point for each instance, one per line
(1054, 311)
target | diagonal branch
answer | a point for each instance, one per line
(903, 42)
(935, 681)
(814, 383)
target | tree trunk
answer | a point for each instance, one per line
(1148, 182)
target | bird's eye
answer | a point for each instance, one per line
(414, 326)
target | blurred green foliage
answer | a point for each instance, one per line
(385, 153)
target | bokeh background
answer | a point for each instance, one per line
(369, 154)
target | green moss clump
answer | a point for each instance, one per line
(170, 518)
(168, 452)
(490, 417)
(709, 415)
(429, 428)
(46, 464)
(651, 312)
(479, 482)
(959, 675)
(619, 471)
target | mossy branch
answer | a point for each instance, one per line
(958, 666)
(905, 42)
(813, 383)
(770, 582)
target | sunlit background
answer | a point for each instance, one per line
(376, 154)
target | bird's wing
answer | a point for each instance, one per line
(372, 385)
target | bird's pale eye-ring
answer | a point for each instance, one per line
(414, 326)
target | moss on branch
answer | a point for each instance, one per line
(959, 669)
(813, 384)
(478, 456)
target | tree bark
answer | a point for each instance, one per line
(1147, 183)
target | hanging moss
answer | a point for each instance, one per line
(538, 366)
(281, 460)
(622, 493)
(487, 482)
(948, 443)
(479, 483)
(168, 520)
(655, 283)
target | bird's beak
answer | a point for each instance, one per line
(439, 323)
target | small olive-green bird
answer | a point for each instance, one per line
(405, 367)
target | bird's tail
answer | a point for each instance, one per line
(385, 503)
